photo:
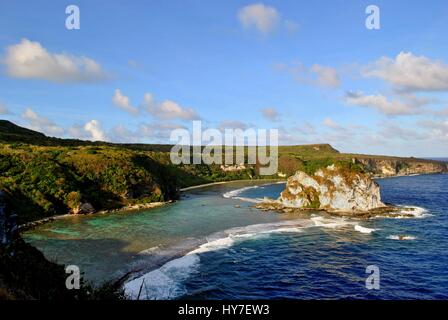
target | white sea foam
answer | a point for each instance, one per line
(401, 237)
(235, 193)
(166, 282)
(415, 212)
(364, 229)
(331, 223)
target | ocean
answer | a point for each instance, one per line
(213, 244)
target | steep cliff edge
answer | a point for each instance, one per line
(388, 166)
(333, 189)
(25, 273)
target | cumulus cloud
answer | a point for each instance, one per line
(410, 73)
(167, 109)
(407, 105)
(93, 127)
(325, 76)
(270, 114)
(121, 134)
(260, 17)
(30, 60)
(91, 130)
(317, 74)
(4, 110)
(438, 129)
(41, 124)
(123, 102)
(330, 123)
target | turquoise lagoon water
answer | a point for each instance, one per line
(213, 244)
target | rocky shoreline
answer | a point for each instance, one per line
(338, 189)
(388, 211)
(125, 209)
(267, 205)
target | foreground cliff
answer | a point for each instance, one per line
(333, 188)
(25, 273)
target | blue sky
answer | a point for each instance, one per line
(137, 69)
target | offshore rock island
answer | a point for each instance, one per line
(339, 189)
(332, 188)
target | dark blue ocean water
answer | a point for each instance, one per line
(213, 244)
(326, 263)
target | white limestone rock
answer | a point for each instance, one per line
(332, 189)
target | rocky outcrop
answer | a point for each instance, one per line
(332, 189)
(387, 167)
(84, 208)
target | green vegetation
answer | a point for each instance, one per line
(45, 176)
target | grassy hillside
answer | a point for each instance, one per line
(45, 176)
(45, 181)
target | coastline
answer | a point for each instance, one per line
(125, 209)
(151, 205)
(130, 208)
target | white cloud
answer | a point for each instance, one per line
(4, 110)
(317, 74)
(326, 76)
(123, 102)
(93, 127)
(409, 73)
(408, 105)
(270, 114)
(154, 133)
(330, 123)
(167, 109)
(438, 129)
(393, 131)
(41, 124)
(233, 124)
(91, 130)
(159, 131)
(148, 102)
(121, 134)
(306, 129)
(29, 60)
(260, 17)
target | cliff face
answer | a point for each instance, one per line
(398, 167)
(332, 189)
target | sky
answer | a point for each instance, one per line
(136, 70)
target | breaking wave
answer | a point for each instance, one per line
(401, 237)
(234, 194)
(415, 212)
(364, 229)
(166, 282)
